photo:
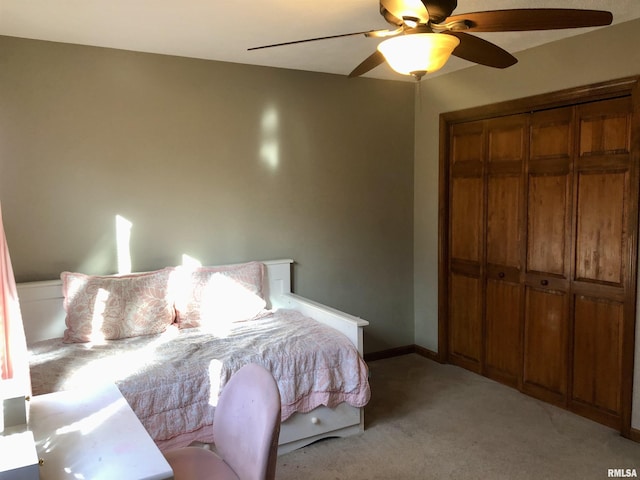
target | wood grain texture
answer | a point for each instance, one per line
(548, 225)
(546, 341)
(597, 353)
(600, 221)
(503, 358)
(465, 321)
(466, 219)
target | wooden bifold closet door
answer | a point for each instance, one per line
(541, 229)
(547, 276)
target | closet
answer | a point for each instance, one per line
(539, 246)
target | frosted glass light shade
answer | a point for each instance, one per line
(418, 53)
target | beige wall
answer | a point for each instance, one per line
(598, 56)
(219, 161)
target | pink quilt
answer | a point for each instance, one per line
(172, 380)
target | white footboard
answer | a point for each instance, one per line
(323, 422)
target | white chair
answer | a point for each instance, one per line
(246, 428)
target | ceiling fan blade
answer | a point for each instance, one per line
(372, 33)
(371, 62)
(478, 50)
(526, 19)
(406, 8)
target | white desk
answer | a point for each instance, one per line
(93, 435)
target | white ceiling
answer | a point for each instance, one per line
(224, 29)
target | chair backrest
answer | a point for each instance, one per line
(246, 424)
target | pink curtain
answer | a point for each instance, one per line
(13, 346)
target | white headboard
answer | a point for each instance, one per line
(41, 303)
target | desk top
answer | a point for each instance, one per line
(93, 434)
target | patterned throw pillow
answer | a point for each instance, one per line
(212, 295)
(116, 306)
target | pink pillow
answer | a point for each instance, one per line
(211, 295)
(116, 306)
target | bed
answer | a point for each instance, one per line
(172, 378)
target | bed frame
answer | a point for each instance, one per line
(43, 316)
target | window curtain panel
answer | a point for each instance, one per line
(13, 346)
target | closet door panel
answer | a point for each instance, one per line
(503, 360)
(551, 134)
(548, 211)
(597, 354)
(549, 193)
(547, 255)
(465, 321)
(466, 245)
(545, 344)
(503, 221)
(506, 139)
(606, 209)
(506, 151)
(467, 143)
(600, 226)
(466, 219)
(605, 127)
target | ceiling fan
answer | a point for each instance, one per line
(425, 34)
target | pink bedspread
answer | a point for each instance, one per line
(172, 380)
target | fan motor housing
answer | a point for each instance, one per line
(438, 11)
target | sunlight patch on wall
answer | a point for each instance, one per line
(190, 262)
(123, 244)
(269, 145)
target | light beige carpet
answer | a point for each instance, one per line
(432, 421)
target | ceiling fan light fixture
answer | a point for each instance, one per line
(411, 22)
(418, 52)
